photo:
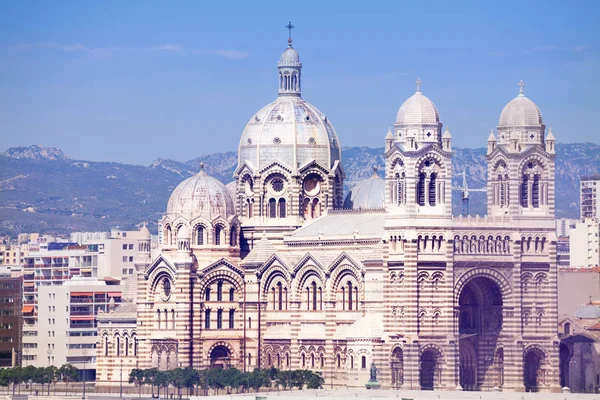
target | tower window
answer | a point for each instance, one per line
(535, 192)
(281, 208)
(432, 186)
(525, 192)
(421, 190)
(272, 208)
(207, 319)
(219, 319)
(200, 236)
(231, 318)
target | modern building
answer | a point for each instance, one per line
(564, 226)
(584, 244)
(589, 192)
(11, 295)
(67, 322)
(55, 263)
(280, 274)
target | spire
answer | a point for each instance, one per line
(550, 135)
(289, 27)
(492, 137)
(290, 68)
(418, 83)
(389, 135)
(521, 85)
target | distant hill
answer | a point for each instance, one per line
(42, 190)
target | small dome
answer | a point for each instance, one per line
(520, 112)
(231, 187)
(145, 233)
(200, 196)
(367, 327)
(589, 311)
(418, 110)
(367, 194)
(183, 232)
(289, 57)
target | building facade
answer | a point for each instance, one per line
(589, 188)
(584, 244)
(277, 273)
(11, 295)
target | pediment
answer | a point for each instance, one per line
(161, 262)
(221, 263)
(275, 164)
(308, 258)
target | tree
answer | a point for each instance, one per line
(150, 378)
(136, 376)
(68, 373)
(259, 378)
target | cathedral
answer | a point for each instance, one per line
(280, 269)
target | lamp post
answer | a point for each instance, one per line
(49, 353)
(84, 361)
(121, 381)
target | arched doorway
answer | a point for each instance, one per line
(430, 369)
(397, 366)
(479, 325)
(565, 359)
(220, 357)
(533, 373)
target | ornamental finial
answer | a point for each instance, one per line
(521, 84)
(418, 82)
(201, 166)
(289, 27)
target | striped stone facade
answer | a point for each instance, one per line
(431, 300)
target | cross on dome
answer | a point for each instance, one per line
(289, 27)
(418, 82)
(521, 84)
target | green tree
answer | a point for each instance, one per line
(68, 373)
(137, 377)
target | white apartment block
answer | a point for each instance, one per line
(589, 202)
(564, 226)
(584, 244)
(55, 264)
(67, 323)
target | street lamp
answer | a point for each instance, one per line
(84, 361)
(49, 353)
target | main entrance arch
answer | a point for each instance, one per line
(430, 369)
(220, 357)
(479, 325)
(533, 369)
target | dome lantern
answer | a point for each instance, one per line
(290, 69)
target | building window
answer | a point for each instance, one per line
(220, 291)
(118, 346)
(218, 230)
(220, 319)
(207, 318)
(231, 318)
(339, 361)
(535, 192)
(281, 208)
(272, 208)
(126, 346)
(432, 192)
(351, 362)
(200, 236)
(124, 247)
(524, 192)
(106, 345)
(249, 323)
(207, 294)
(363, 362)
(231, 294)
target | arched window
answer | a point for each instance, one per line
(207, 318)
(207, 294)
(280, 295)
(231, 294)
(287, 360)
(432, 191)
(135, 347)
(173, 319)
(535, 192)
(169, 236)
(567, 328)
(421, 190)
(314, 295)
(231, 318)
(269, 359)
(524, 192)
(118, 346)
(339, 361)
(312, 360)
(316, 208)
(220, 291)
(349, 295)
(233, 236)
(249, 322)
(272, 208)
(281, 208)
(218, 231)
(356, 298)
(106, 345)
(322, 360)
(219, 319)
(158, 318)
(126, 345)
(249, 208)
(249, 359)
(343, 298)
(363, 362)
(278, 361)
(303, 360)
(351, 362)
(200, 236)
(401, 189)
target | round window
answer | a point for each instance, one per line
(312, 186)
(277, 185)
(165, 293)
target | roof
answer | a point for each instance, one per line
(367, 194)
(418, 110)
(340, 224)
(368, 327)
(200, 195)
(520, 112)
(589, 311)
(260, 253)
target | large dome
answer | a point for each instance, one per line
(520, 112)
(589, 311)
(418, 110)
(200, 196)
(367, 194)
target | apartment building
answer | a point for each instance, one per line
(67, 322)
(584, 243)
(10, 319)
(589, 188)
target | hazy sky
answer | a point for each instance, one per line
(132, 81)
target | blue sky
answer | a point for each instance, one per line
(131, 81)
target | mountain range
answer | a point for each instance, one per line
(43, 190)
